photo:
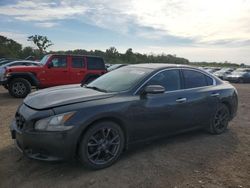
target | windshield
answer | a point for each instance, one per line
(120, 79)
(44, 59)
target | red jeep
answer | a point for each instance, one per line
(54, 70)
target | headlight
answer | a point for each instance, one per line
(54, 123)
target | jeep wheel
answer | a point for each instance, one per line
(19, 88)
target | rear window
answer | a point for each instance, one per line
(209, 81)
(193, 79)
(95, 63)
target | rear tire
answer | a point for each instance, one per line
(19, 88)
(219, 122)
(101, 145)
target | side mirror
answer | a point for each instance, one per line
(154, 89)
(50, 65)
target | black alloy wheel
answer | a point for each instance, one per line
(220, 121)
(19, 88)
(102, 145)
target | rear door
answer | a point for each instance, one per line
(202, 95)
(77, 69)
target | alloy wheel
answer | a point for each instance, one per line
(19, 88)
(221, 120)
(103, 146)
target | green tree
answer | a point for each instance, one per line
(130, 57)
(9, 48)
(42, 42)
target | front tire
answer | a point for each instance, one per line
(19, 88)
(220, 121)
(101, 145)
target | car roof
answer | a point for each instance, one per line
(160, 65)
(75, 55)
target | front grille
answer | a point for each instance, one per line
(20, 121)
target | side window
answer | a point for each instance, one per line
(209, 81)
(59, 62)
(77, 62)
(95, 63)
(26, 64)
(193, 79)
(170, 79)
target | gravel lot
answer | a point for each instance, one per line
(195, 159)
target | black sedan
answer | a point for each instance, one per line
(98, 121)
(241, 75)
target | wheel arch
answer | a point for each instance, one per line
(30, 77)
(228, 105)
(116, 120)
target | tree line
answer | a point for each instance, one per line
(12, 49)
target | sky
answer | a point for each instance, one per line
(199, 30)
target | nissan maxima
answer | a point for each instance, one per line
(97, 122)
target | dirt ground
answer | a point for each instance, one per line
(195, 159)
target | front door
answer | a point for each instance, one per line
(57, 71)
(162, 114)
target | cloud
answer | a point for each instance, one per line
(203, 53)
(17, 36)
(46, 24)
(42, 11)
(202, 22)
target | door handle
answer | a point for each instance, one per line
(65, 71)
(181, 100)
(215, 95)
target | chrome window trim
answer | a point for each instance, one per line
(181, 68)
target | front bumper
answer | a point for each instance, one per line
(46, 146)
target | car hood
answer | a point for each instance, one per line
(62, 95)
(22, 68)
